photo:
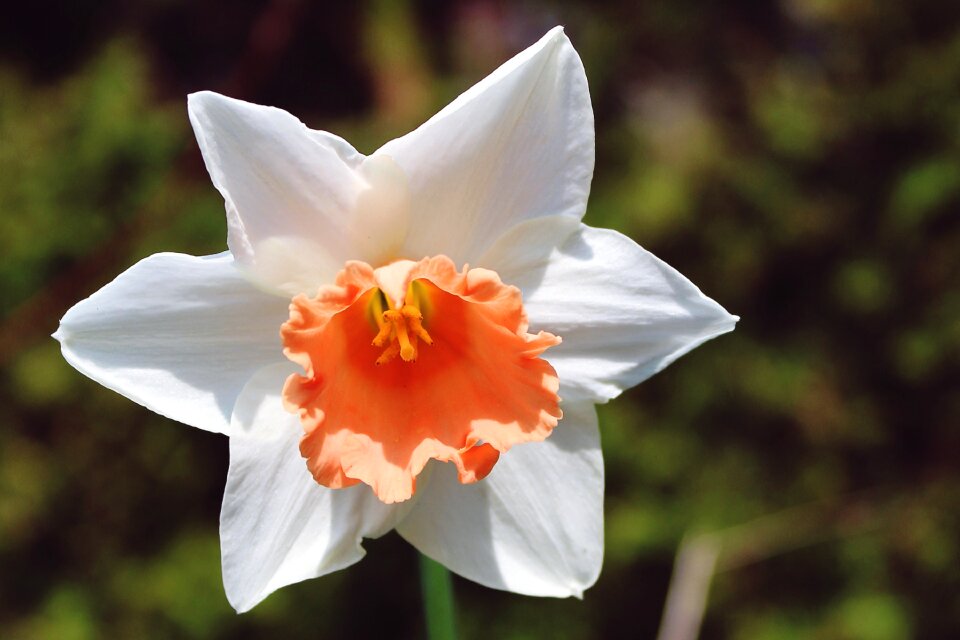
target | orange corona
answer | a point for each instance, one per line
(376, 404)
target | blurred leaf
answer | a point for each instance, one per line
(922, 190)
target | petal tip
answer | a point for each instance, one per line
(196, 100)
(204, 94)
(728, 323)
(554, 38)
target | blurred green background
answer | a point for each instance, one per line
(798, 160)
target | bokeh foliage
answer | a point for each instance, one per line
(799, 160)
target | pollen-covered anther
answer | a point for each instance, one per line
(400, 330)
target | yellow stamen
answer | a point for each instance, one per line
(399, 329)
(385, 334)
(389, 353)
(415, 322)
(407, 350)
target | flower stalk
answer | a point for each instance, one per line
(436, 586)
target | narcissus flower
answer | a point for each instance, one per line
(368, 378)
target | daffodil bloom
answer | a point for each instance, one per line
(368, 378)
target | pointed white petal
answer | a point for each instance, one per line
(623, 313)
(516, 146)
(178, 334)
(527, 248)
(277, 525)
(533, 526)
(280, 181)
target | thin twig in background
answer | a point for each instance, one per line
(702, 555)
(689, 587)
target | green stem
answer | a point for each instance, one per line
(437, 588)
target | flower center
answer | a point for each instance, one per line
(478, 388)
(399, 329)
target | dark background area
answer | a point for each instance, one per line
(798, 160)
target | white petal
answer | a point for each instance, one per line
(350, 156)
(527, 248)
(381, 217)
(516, 146)
(279, 179)
(278, 526)
(623, 313)
(178, 334)
(533, 526)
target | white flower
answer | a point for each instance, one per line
(498, 179)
